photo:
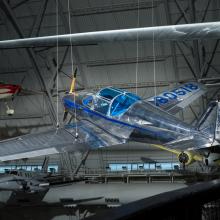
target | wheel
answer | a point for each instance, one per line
(10, 112)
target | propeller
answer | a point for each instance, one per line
(73, 83)
(71, 91)
(65, 115)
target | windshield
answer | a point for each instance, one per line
(97, 103)
(109, 93)
(110, 101)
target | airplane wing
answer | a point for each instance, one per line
(195, 141)
(57, 141)
(181, 32)
(178, 98)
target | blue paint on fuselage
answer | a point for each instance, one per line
(69, 104)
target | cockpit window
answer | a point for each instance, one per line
(101, 105)
(122, 103)
(109, 93)
(97, 103)
(88, 101)
(110, 101)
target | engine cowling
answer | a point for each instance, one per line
(186, 157)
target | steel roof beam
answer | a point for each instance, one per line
(74, 49)
(10, 14)
(172, 44)
(39, 19)
(113, 8)
(196, 53)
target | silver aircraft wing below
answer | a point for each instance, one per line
(183, 32)
(57, 141)
(178, 98)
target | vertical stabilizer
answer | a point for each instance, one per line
(45, 164)
(217, 129)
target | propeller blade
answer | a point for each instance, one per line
(65, 115)
(72, 87)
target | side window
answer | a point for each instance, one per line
(108, 93)
(119, 105)
(101, 106)
(88, 101)
(97, 104)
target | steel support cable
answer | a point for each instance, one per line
(153, 51)
(137, 48)
(71, 57)
(57, 66)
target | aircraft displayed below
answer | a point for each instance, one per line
(80, 195)
(15, 183)
(26, 181)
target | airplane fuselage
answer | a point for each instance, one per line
(141, 121)
(7, 91)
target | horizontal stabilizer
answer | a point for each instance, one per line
(177, 99)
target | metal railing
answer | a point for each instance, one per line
(199, 201)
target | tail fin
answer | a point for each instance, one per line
(210, 121)
(178, 98)
(45, 164)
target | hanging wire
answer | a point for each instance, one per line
(57, 67)
(71, 57)
(153, 51)
(137, 48)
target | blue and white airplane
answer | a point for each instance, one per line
(113, 116)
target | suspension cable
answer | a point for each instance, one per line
(137, 48)
(153, 51)
(71, 57)
(57, 66)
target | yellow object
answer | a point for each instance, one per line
(191, 155)
(73, 83)
(174, 151)
(72, 87)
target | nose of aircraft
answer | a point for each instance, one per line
(9, 183)
(69, 101)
